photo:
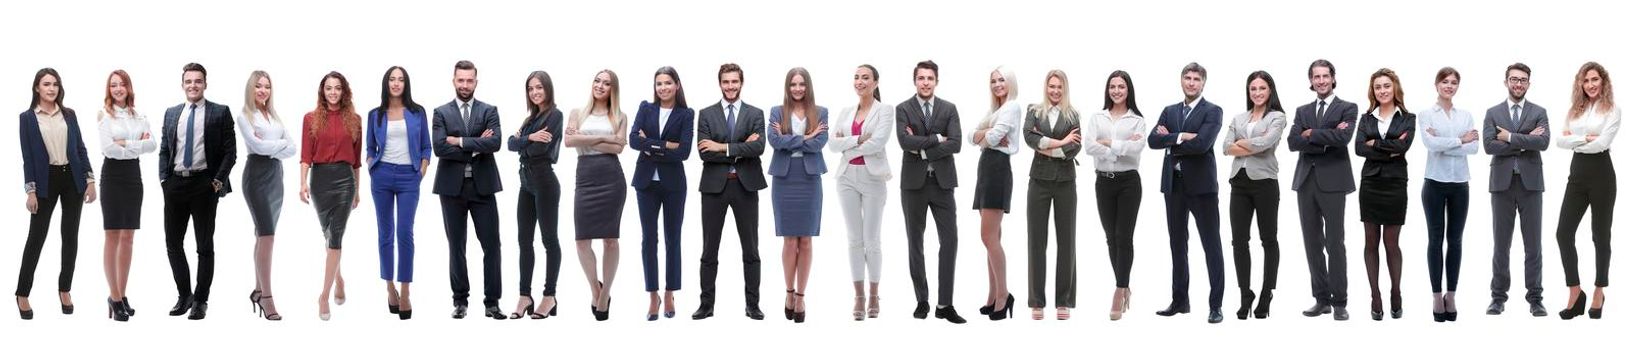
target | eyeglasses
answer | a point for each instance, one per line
(1518, 80)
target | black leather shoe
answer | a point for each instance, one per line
(753, 312)
(1175, 308)
(1340, 314)
(1318, 310)
(947, 313)
(921, 311)
(1215, 316)
(126, 303)
(1538, 311)
(493, 312)
(460, 310)
(703, 311)
(199, 308)
(1496, 308)
(182, 305)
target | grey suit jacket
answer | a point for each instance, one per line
(922, 149)
(1325, 154)
(1522, 152)
(1050, 167)
(740, 153)
(1262, 137)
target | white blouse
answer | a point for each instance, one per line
(127, 125)
(1123, 154)
(265, 137)
(396, 151)
(1005, 124)
(594, 125)
(1592, 122)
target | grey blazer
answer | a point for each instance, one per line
(740, 153)
(1052, 168)
(1522, 152)
(1262, 141)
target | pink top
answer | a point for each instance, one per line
(856, 129)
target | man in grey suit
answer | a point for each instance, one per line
(464, 137)
(1321, 135)
(730, 145)
(929, 134)
(1516, 133)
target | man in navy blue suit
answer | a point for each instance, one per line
(1190, 186)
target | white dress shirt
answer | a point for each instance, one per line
(1592, 122)
(1123, 154)
(201, 112)
(1003, 124)
(1447, 154)
(127, 125)
(265, 137)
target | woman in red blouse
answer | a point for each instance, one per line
(330, 148)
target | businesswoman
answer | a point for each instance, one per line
(1592, 124)
(55, 168)
(662, 133)
(1449, 135)
(998, 136)
(1252, 138)
(1053, 130)
(540, 198)
(798, 131)
(268, 143)
(861, 185)
(1384, 136)
(1114, 139)
(598, 198)
(399, 150)
(125, 135)
(331, 142)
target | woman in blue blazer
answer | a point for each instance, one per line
(798, 132)
(662, 133)
(55, 168)
(398, 150)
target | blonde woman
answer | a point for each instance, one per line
(998, 136)
(1052, 129)
(597, 131)
(861, 184)
(1592, 124)
(268, 142)
(126, 136)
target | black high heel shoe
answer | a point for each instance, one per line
(116, 311)
(1576, 307)
(1247, 304)
(529, 308)
(546, 314)
(788, 310)
(985, 309)
(25, 314)
(1377, 308)
(1262, 311)
(1596, 313)
(1395, 310)
(67, 309)
(799, 316)
(1006, 312)
(254, 300)
(260, 305)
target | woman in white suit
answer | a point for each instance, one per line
(862, 176)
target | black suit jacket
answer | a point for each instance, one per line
(476, 153)
(740, 153)
(1387, 156)
(653, 156)
(1323, 155)
(944, 122)
(1194, 157)
(220, 144)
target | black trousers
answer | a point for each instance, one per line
(1321, 217)
(1247, 198)
(659, 206)
(539, 203)
(1205, 207)
(939, 202)
(745, 208)
(482, 210)
(1446, 206)
(1118, 197)
(62, 190)
(190, 198)
(1592, 185)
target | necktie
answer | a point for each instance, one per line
(1515, 115)
(465, 114)
(1184, 114)
(187, 154)
(1321, 110)
(731, 121)
(927, 115)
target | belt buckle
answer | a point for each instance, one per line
(185, 173)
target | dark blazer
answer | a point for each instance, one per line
(944, 122)
(1047, 167)
(220, 144)
(538, 152)
(1323, 155)
(740, 153)
(1387, 156)
(653, 155)
(36, 162)
(785, 146)
(477, 151)
(419, 137)
(1195, 157)
(1522, 151)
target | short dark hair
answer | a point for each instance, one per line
(195, 67)
(1194, 67)
(1519, 67)
(728, 68)
(1445, 72)
(464, 65)
(927, 64)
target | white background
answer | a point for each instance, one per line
(299, 41)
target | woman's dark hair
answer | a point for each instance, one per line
(533, 110)
(1273, 104)
(40, 75)
(1127, 100)
(875, 72)
(680, 90)
(385, 94)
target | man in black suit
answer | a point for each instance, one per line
(730, 145)
(1321, 135)
(195, 164)
(464, 134)
(929, 135)
(1190, 186)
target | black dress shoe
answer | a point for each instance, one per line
(460, 310)
(1340, 314)
(921, 311)
(947, 313)
(181, 307)
(199, 308)
(1496, 308)
(1215, 316)
(493, 312)
(1175, 308)
(753, 312)
(1538, 311)
(1318, 310)
(703, 311)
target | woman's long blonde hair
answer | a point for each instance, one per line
(1042, 108)
(1010, 91)
(1579, 99)
(614, 115)
(250, 106)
